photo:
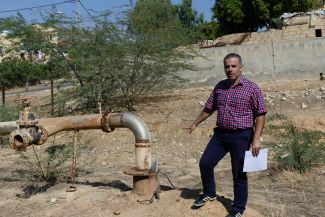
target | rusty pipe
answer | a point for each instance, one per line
(82, 122)
(7, 127)
(21, 138)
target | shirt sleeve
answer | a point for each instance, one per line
(210, 104)
(257, 102)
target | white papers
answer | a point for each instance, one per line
(254, 164)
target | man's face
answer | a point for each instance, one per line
(232, 69)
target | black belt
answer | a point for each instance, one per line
(231, 130)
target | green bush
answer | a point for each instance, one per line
(300, 149)
(48, 166)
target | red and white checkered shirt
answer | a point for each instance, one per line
(237, 106)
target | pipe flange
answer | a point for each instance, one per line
(104, 123)
(19, 140)
(44, 135)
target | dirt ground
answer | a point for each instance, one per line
(102, 189)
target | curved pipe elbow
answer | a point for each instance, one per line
(131, 121)
(137, 126)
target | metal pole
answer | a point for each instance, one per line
(72, 187)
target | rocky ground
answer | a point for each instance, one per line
(102, 189)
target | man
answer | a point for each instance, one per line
(240, 106)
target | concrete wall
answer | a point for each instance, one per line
(268, 61)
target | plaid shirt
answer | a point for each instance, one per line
(237, 106)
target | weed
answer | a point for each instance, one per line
(300, 149)
(275, 116)
(297, 149)
(48, 166)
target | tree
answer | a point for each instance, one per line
(137, 55)
(40, 58)
(6, 77)
(186, 14)
(194, 23)
(114, 61)
(241, 16)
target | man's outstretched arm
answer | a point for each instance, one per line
(202, 117)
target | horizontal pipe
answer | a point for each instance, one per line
(7, 127)
(85, 122)
(21, 138)
(82, 122)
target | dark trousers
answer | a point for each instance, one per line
(223, 141)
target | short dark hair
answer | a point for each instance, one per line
(233, 55)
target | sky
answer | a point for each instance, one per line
(71, 7)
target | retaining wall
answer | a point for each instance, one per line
(268, 61)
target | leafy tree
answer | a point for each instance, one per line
(240, 16)
(6, 76)
(40, 54)
(123, 61)
(195, 25)
(186, 14)
(120, 61)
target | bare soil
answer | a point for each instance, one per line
(102, 189)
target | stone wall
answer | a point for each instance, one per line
(297, 26)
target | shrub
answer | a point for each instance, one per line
(49, 165)
(300, 149)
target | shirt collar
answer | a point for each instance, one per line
(240, 83)
(241, 80)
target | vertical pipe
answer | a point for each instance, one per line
(3, 95)
(52, 98)
(74, 157)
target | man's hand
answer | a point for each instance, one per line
(202, 116)
(190, 129)
(256, 146)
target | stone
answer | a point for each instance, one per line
(53, 199)
(117, 212)
(192, 161)
(303, 105)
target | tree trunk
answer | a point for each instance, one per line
(52, 98)
(3, 95)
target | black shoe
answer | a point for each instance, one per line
(234, 214)
(203, 199)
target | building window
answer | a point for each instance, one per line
(318, 32)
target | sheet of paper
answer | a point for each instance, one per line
(254, 164)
